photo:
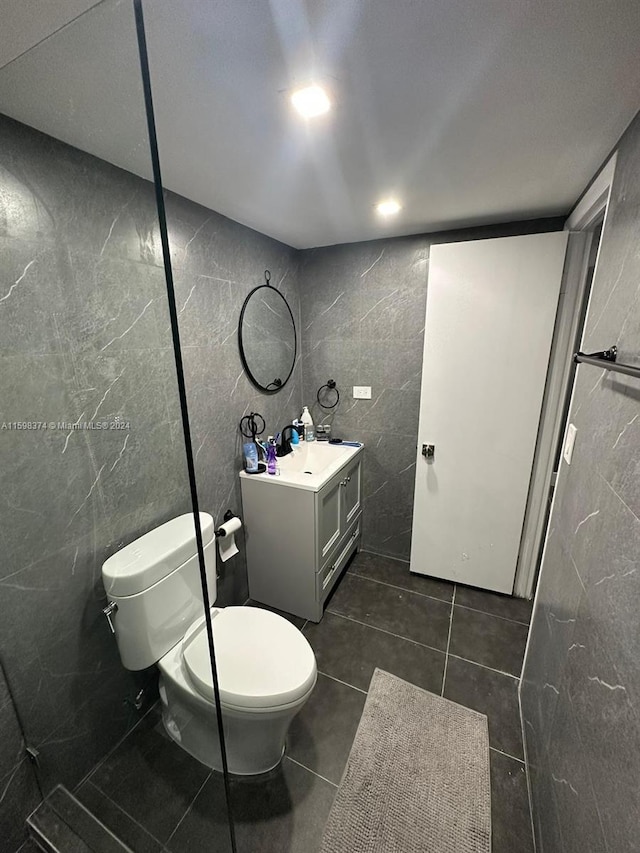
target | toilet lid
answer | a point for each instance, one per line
(263, 661)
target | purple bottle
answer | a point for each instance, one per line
(271, 458)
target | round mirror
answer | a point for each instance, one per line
(267, 337)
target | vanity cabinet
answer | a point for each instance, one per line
(300, 536)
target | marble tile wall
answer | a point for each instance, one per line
(84, 336)
(363, 316)
(363, 310)
(216, 263)
(581, 682)
(19, 792)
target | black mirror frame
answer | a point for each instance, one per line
(278, 383)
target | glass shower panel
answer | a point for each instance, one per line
(216, 262)
(92, 451)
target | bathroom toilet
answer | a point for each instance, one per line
(266, 668)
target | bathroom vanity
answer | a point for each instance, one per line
(302, 526)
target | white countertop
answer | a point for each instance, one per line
(309, 466)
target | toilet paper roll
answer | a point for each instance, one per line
(227, 539)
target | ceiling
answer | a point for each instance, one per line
(468, 112)
(27, 22)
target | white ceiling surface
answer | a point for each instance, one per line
(467, 112)
(26, 22)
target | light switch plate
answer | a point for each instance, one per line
(569, 441)
(362, 392)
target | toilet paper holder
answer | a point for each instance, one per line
(229, 514)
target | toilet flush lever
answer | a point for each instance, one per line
(109, 611)
(429, 452)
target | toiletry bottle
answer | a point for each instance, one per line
(272, 463)
(295, 438)
(307, 420)
(300, 428)
(250, 457)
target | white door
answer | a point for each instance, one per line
(491, 307)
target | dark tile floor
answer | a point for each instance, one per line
(464, 644)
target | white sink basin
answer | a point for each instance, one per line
(310, 465)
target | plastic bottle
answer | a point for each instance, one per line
(307, 420)
(295, 438)
(272, 463)
(250, 457)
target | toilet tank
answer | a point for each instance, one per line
(155, 583)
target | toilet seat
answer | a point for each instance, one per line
(263, 661)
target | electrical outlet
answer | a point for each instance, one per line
(569, 442)
(362, 392)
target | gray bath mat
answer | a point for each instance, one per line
(417, 779)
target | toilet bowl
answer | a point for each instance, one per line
(266, 672)
(266, 669)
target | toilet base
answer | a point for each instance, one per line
(254, 740)
(207, 754)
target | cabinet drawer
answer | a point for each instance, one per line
(329, 574)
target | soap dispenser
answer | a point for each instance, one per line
(307, 420)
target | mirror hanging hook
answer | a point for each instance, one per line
(267, 277)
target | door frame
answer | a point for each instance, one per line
(568, 330)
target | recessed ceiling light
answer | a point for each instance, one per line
(389, 207)
(311, 101)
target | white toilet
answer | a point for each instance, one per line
(266, 667)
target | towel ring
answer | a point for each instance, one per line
(330, 385)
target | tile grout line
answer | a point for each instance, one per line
(304, 767)
(340, 681)
(422, 645)
(124, 811)
(446, 655)
(495, 615)
(386, 556)
(189, 807)
(355, 574)
(507, 754)
(384, 631)
(105, 758)
(527, 765)
(484, 666)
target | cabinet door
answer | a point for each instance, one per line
(329, 505)
(352, 497)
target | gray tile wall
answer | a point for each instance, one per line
(216, 263)
(19, 793)
(581, 681)
(363, 309)
(84, 335)
(363, 316)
